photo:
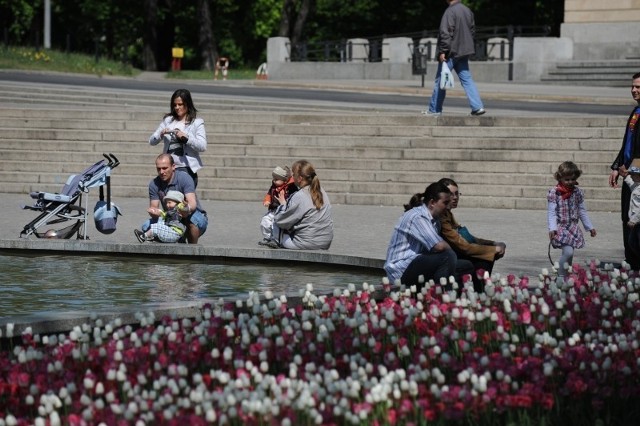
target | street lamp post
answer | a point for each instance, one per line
(47, 24)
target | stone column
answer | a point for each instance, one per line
(397, 50)
(278, 50)
(359, 49)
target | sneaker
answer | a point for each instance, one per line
(264, 242)
(140, 235)
(478, 111)
(431, 113)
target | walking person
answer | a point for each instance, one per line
(565, 209)
(455, 44)
(630, 149)
(183, 134)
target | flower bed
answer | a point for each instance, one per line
(523, 352)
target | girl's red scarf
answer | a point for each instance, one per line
(565, 191)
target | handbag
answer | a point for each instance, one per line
(464, 233)
(446, 77)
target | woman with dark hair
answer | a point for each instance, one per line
(183, 134)
(304, 221)
(480, 252)
(416, 249)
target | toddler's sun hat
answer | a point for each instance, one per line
(281, 173)
(176, 196)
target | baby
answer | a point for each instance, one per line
(281, 182)
(169, 227)
(633, 181)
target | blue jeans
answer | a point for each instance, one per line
(198, 218)
(461, 66)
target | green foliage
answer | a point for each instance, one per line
(266, 15)
(116, 29)
(231, 50)
(18, 16)
(234, 74)
(336, 19)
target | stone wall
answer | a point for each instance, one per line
(598, 11)
(602, 30)
(532, 58)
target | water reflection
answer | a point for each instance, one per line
(41, 284)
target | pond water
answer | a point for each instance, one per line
(44, 284)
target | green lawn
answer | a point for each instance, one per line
(234, 74)
(24, 58)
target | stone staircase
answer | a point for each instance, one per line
(362, 157)
(615, 73)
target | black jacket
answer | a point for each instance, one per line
(635, 145)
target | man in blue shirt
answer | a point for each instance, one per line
(416, 248)
(619, 168)
(170, 179)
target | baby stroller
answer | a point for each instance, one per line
(70, 205)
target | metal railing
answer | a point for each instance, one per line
(335, 51)
(342, 50)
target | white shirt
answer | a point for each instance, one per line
(196, 143)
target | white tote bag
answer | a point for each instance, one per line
(446, 77)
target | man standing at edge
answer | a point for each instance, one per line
(630, 149)
(455, 44)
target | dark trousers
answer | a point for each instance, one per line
(433, 266)
(487, 265)
(632, 257)
(633, 240)
(193, 175)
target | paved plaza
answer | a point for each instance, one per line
(361, 231)
(364, 231)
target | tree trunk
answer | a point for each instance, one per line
(288, 11)
(205, 36)
(150, 38)
(301, 19)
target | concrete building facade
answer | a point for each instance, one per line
(602, 30)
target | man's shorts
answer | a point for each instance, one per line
(200, 219)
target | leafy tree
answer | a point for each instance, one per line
(143, 32)
(16, 17)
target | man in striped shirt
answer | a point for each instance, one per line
(416, 249)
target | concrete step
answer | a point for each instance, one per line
(362, 157)
(129, 116)
(436, 161)
(602, 73)
(108, 133)
(138, 142)
(128, 174)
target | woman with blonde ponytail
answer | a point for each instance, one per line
(304, 221)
